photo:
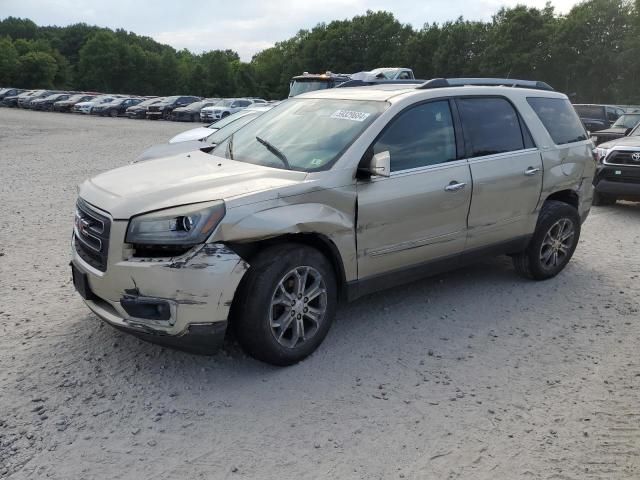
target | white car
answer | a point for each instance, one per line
(85, 107)
(226, 107)
(201, 133)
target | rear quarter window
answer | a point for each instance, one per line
(559, 118)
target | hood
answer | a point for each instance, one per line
(85, 104)
(611, 131)
(170, 149)
(622, 142)
(193, 134)
(180, 180)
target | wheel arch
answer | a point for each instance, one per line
(319, 241)
(568, 196)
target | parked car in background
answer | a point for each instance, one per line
(12, 101)
(46, 103)
(25, 102)
(67, 105)
(164, 108)
(191, 113)
(598, 117)
(116, 107)
(233, 123)
(86, 107)
(140, 110)
(200, 133)
(618, 172)
(226, 107)
(620, 128)
(10, 92)
(323, 198)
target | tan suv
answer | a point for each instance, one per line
(332, 195)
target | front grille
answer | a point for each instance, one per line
(91, 233)
(153, 109)
(619, 157)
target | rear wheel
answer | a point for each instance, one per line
(552, 244)
(286, 304)
(113, 113)
(602, 199)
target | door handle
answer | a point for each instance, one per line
(531, 171)
(454, 186)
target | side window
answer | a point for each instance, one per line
(420, 136)
(244, 103)
(491, 125)
(612, 116)
(559, 118)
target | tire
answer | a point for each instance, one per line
(194, 117)
(556, 221)
(273, 276)
(602, 199)
(225, 114)
(113, 113)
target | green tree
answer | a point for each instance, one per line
(9, 62)
(37, 70)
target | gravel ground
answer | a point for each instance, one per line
(476, 374)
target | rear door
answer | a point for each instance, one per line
(418, 213)
(506, 169)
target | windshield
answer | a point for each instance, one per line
(151, 101)
(224, 103)
(230, 128)
(627, 121)
(304, 86)
(301, 134)
(77, 97)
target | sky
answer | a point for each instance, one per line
(246, 26)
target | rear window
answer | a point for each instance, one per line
(589, 111)
(491, 125)
(559, 118)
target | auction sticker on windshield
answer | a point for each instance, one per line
(350, 115)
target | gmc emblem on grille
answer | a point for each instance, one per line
(635, 157)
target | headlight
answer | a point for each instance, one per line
(185, 225)
(601, 153)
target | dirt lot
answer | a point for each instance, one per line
(476, 374)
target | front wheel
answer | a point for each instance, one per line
(552, 244)
(286, 304)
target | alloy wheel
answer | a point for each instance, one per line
(557, 243)
(298, 306)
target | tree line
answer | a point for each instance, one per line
(591, 53)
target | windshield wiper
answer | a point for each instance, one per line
(276, 151)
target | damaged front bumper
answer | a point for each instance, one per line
(181, 302)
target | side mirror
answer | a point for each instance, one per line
(379, 165)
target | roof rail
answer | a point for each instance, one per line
(487, 82)
(361, 83)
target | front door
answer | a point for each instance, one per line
(418, 213)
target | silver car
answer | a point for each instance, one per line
(329, 196)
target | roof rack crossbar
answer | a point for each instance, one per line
(486, 82)
(361, 83)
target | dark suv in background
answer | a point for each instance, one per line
(163, 109)
(140, 110)
(598, 117)
(618, 173)
(46, 103)
(116, 107)
(191, 113)
(67, 105)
